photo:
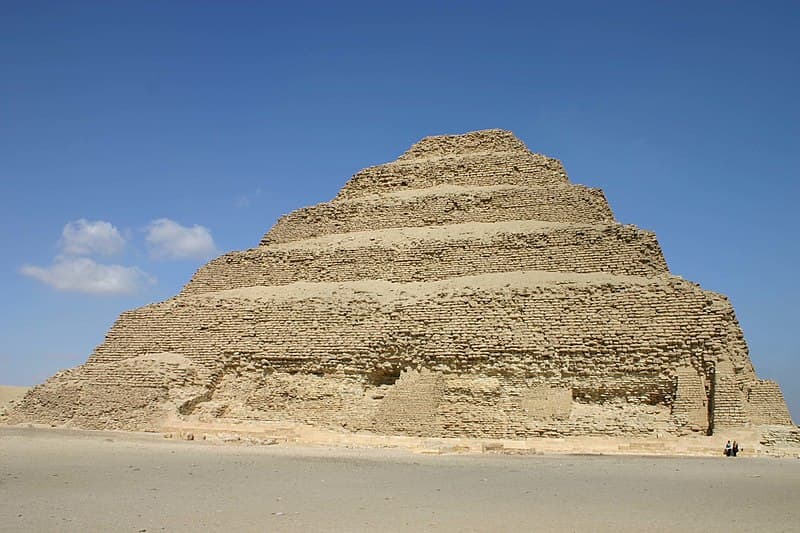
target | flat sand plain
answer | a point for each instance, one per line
(62, 480)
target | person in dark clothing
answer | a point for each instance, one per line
(735, 448)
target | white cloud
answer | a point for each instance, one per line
(86, 237)
(82, 274)
(169, 240)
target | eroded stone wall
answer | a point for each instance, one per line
(135, 393)
(440, 206)
(729, 403)
(480, 170)
(690, 407)
(425, 403)
(604, 341)
(437, 255)
(765, 404)
(493, 140)
(545, 402)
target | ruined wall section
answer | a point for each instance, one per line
(246, 394)
(410, 406)
(782, 441)
(135, 394)
(434, 255)
(546, 403)
(482, 158)
(766, 405)
(476, 170)
(491, 140)
(736, 366)
(690, 406)
(444, 205)
(729, 408)
(427, 403)
(604, 340)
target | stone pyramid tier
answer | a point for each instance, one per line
(479, 159)
(438, 252)
(465, 289)
(441, 205)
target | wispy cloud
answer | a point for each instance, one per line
(168, 240)
(91, 237)
(82, 274)
(246, 200)
(74, 269)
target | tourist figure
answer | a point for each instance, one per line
(735, 448)
(728, 449)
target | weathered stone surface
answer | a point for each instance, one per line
(467, 289)
(439, 252)
(443, 205)
(690, 406)
(474, 170)
(766, 405)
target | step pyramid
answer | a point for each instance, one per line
(465, 289)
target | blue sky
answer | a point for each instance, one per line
(189, 127)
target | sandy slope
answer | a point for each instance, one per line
(78, 481)
(8, 393)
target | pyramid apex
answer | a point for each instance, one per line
(491, 140)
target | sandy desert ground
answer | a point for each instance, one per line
(61, 480)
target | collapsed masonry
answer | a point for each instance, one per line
(466, 289)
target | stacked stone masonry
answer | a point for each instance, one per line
(729, 408)
(439, 253)
(478, 170)
(466, 289)
(483, 141)
(766, 404)
(690, 406)
(444, 205)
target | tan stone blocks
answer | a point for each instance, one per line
(479, 170)
(483, 141)
(466, 289)
(765, 404)
(690, 406)
(439, 253)
(585, 332)
(444, 205)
